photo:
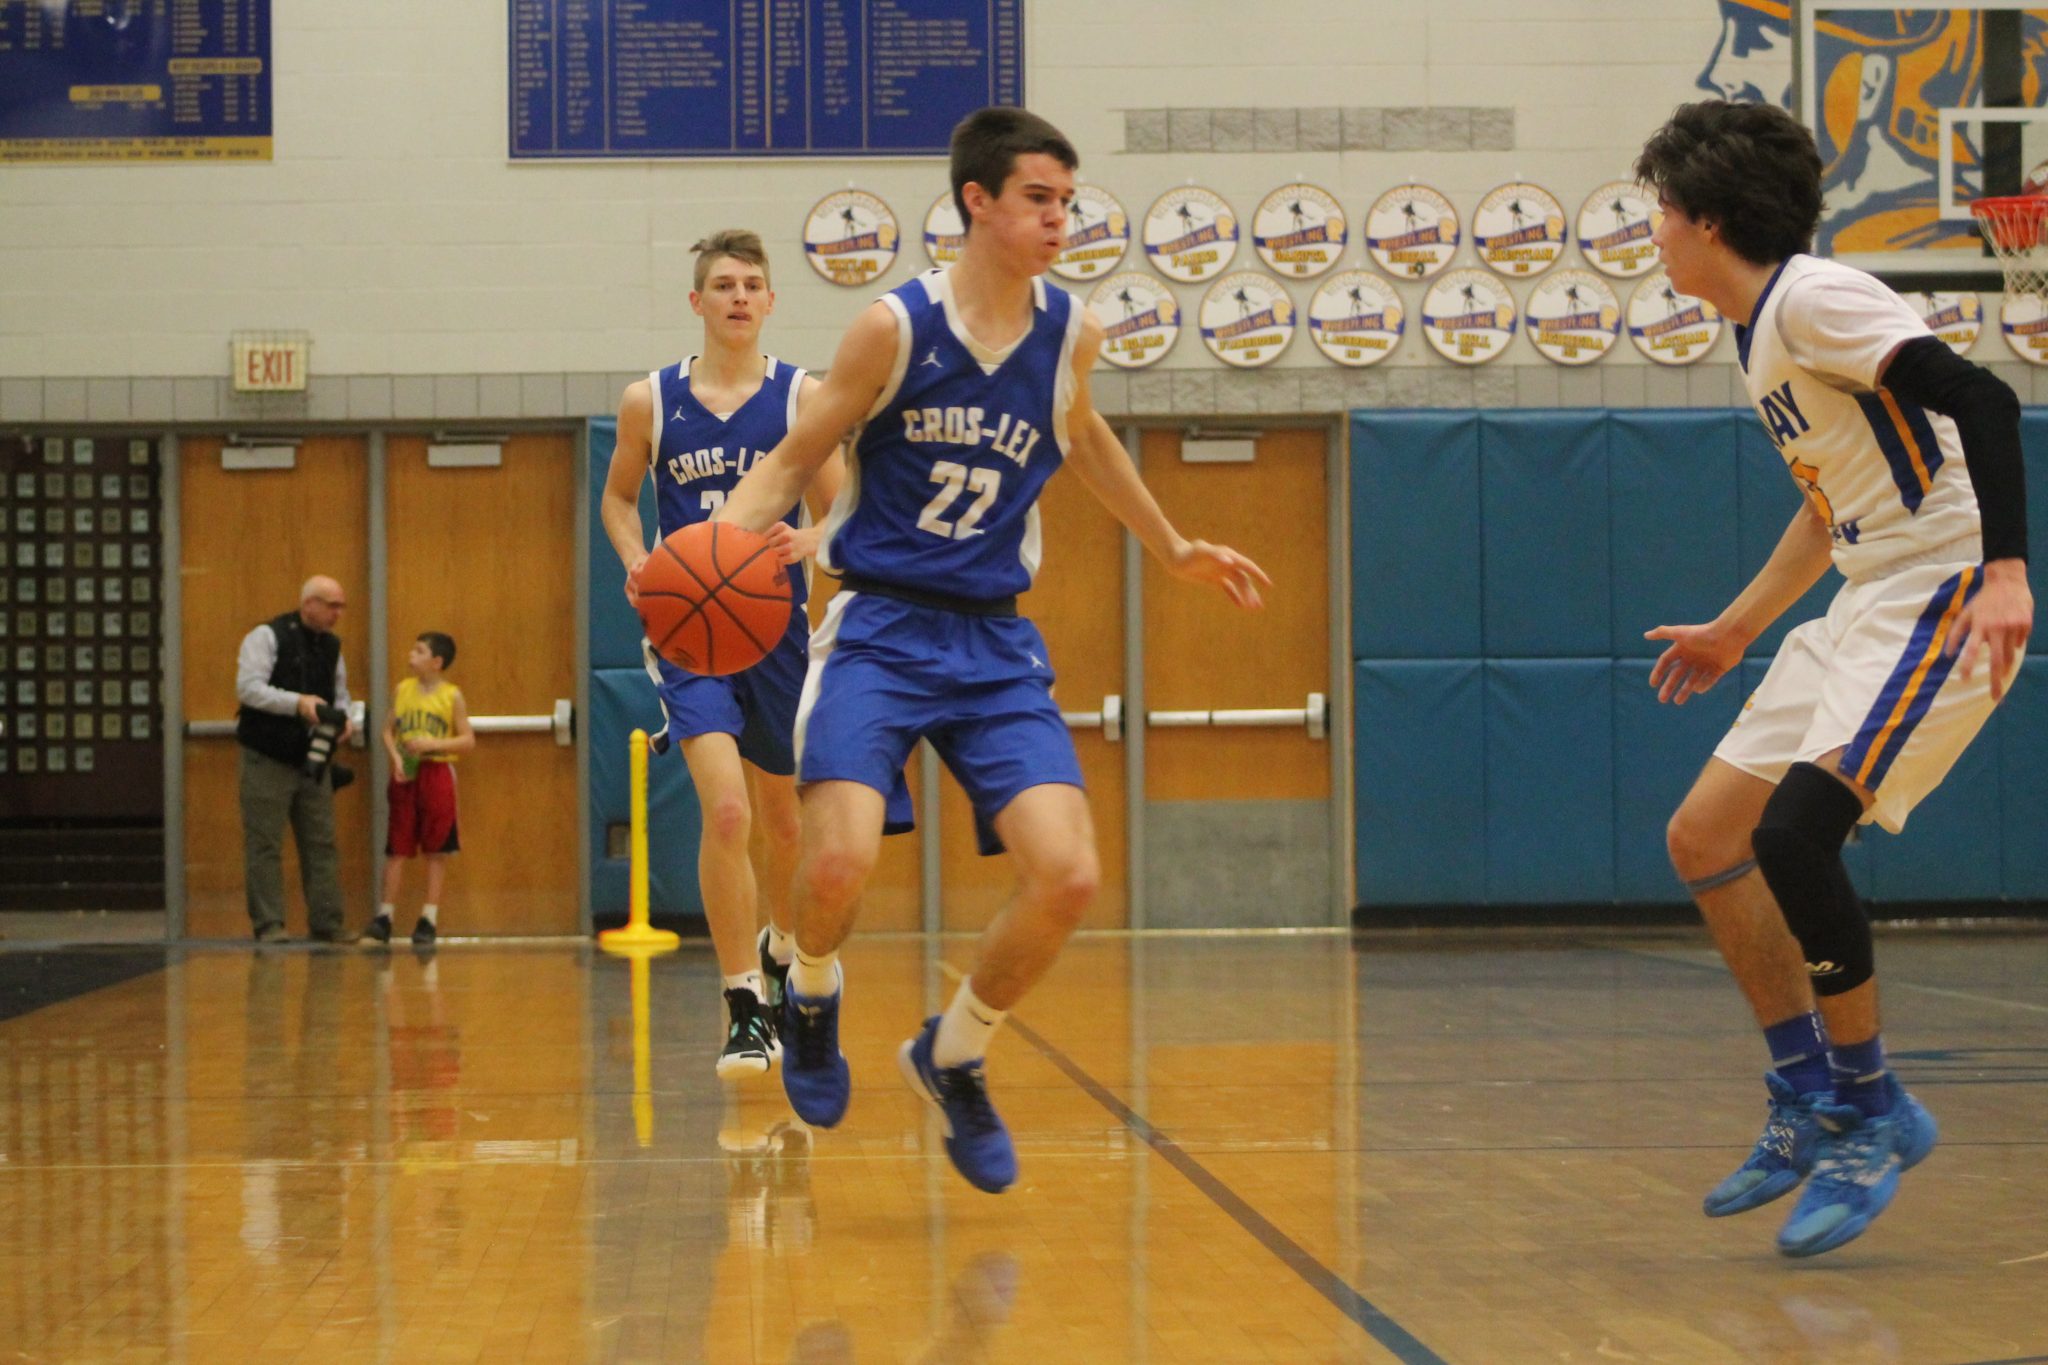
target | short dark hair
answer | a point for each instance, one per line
(1749, 169)
(440, 646)
(987, 143)
(738, 243)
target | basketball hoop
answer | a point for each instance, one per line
(2014, 226)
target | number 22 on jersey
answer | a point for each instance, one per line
(952, 478)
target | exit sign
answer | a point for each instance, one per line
(269, 364)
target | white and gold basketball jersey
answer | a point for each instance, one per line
(1886, 475)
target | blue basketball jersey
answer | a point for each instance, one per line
(943, 477)
(698, 458)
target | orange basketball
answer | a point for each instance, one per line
(714, 598)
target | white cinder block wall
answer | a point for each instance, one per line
(437, 279)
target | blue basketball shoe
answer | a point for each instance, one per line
(1781, 1157)
(814, 1071)
(1856, 1171)
(976, 1139)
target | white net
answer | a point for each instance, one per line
(2014, 227)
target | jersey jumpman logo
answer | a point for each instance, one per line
(931, 358)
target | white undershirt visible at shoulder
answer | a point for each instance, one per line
(254, 663)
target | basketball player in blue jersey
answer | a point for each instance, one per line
(1909, 457)
(695, 427)
(965, 389)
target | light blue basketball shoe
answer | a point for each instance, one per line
(1856, 1171)
(1781, 1157)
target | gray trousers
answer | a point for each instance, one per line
(273, 793)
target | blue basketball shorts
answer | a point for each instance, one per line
(885, 673)
(756, 706)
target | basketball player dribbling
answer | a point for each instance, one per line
(1910, 460)
(695, 427)
(965, 389)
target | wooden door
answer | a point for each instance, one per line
(486, 556)
(248, 540)
(1237, 819)
(1078, 606)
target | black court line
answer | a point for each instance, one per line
(1296, 1257)
(31, 979)
(1719, 968)
(2014, 1360)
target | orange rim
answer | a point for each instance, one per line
(2012, 221)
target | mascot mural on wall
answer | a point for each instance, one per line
(1880, 77)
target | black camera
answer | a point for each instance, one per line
(332, 720)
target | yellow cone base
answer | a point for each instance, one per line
(638, 936)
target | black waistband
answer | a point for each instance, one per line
(966, 606)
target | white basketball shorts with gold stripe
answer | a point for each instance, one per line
(1875, 679)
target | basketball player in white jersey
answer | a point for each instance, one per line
(1910, 461)
(965, 390)
(694, 427)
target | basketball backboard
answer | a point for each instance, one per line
(1918, 111)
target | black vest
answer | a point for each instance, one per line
(306, 661)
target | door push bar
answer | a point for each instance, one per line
(561, 723)
(1315, 715)
(225, 729)
(1110, 718)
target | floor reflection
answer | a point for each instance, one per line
(504, 1154)
(1814, 1327)
(769, 1205)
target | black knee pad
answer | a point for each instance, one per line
(1798, 845)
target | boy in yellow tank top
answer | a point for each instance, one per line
(427, 727)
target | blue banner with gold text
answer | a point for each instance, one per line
(134, 80)
(755, 78)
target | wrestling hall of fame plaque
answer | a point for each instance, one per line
(1356, 318)
(2023, 318)
(1615, 224)
(1519, 229)
(1299, 231)
(944, 233)
(850, 237)
(1412, 231)
(1669, 327)
(1957, 319)
(1468, 316)
(1098, 234)
(1247, 319)
(1573, 317)
(1190, 234)
(1140, 318)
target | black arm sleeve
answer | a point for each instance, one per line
(1987, 416)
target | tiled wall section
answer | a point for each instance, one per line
(1326, 128)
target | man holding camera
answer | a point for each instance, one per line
(293, 688)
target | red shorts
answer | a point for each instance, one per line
(422, 813)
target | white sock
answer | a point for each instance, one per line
(431, 913)
(966, 1028)
(386, 910)
(748, 981)
(781, 945)
(815, 977)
